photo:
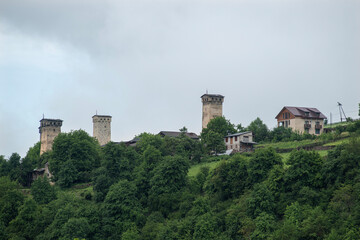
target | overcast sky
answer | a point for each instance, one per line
(147, 63)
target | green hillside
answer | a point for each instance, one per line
(175, 188)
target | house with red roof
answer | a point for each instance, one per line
(301, 119)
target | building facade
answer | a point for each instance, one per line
(212, 107)
(102, 128)
(240, 142)
(49, 129)
(301, 119)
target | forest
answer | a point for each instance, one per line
(145, 192)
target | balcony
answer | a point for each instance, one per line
(307, 126)
(318, 126)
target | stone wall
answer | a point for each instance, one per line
(102, 128)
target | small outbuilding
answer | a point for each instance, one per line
(240, 142)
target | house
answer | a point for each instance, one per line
(301, 119)
(177, 134)
(240, 142)
(41, 172)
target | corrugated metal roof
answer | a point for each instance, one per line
(238, 134)
(176, 134)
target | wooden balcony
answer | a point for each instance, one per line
(318, 126)
(307, 126)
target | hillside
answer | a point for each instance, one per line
(167, 188)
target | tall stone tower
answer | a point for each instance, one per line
(49, 129)
(102, 128)
(212, 107)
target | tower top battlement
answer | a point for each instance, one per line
(50, 122)
(101, 118)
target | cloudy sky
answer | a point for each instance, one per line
(147, 63)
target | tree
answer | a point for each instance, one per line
(259, 130)
(10, 200)
(74, 156)
(14, 167)
(229, 179)
(31, 161)
(147, 139)
(25, 225)
(75, 228)
(265, 225)
(261, 200)
(42, 191)
(303, 177)
(240, 128)
(122, 208)
(168, 178)
(4, 167)
(183, 130)
(214, 142)
(213, 135)
(260, 164)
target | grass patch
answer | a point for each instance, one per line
(194, 170)
(290, 144)
(339, 142)
(336, 124)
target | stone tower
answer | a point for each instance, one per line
(212, 107)
(49, 129)
(102, 128)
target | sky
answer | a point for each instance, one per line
(146, 63)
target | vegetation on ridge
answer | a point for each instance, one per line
(147, 192)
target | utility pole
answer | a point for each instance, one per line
(341, 110)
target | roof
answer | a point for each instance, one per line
(300, 112)
(176, 134)
(106, 116)
(248, 142)
(227, 152)
(238, 134)
(212, 95)
(51, 120)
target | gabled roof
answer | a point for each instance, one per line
(300, 112)
(176, 134)
(238, 134)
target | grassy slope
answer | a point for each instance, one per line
(193, 171)
(284, 145)
(280, 145)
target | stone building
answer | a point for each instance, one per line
(240, 142)
(49, 129)
(212, 107)
(102, 128)
(301, 119)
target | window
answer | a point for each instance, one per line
(317, 131)
(235, 139)
(226, 140)
(307, 114)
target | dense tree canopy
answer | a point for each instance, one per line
(147, 193)
(73, 157)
